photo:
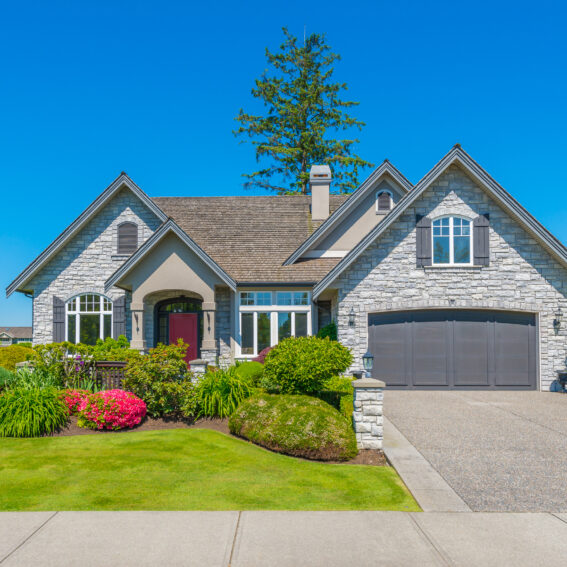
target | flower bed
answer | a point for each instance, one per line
(73, 399)
(111, 409)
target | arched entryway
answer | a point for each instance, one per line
(180, 318)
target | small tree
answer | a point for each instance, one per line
(303, 105)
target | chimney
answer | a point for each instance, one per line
(320, 181)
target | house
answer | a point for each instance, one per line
(450, 283)
(14, 335)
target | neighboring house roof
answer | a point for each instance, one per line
(153, 240)
(17, 332)
(250, 237)
(459, 157)
(122, 181)
(386, 168)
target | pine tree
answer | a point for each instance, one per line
(303, 106)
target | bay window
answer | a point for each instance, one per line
(89, 318)
(267, 317)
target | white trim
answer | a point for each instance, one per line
(121, 181)
(77, 313)
(451, 263)
(325, 254)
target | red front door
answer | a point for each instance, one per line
(185, 326)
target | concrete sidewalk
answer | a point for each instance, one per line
(281, 539)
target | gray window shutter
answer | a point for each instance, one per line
(58, 320)
(423, 241)
(481, 240)
(127, 238)
(119, 317)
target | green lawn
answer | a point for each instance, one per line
(183, 469)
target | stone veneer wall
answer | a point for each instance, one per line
(521, 276)
(87, 261)
(367, 416)
(223, 325)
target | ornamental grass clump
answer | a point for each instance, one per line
(111, 409)
(31, 412)
(220, 393)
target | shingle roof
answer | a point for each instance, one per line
(17, 332)
(250, 237)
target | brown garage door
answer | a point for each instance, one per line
(454, 349)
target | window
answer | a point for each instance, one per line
(384, 201)
(264, 323)
(127, 238)
(89, 318)
(452, 241)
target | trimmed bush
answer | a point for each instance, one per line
(13, 354)
(160, 379)
(302, 365)
(220, 393)
(28, 412)
(339, 393)
(301, 426)
(73, 399)
(111, 409)
(250, 372)
(329, 330)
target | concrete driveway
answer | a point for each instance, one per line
(499, 451)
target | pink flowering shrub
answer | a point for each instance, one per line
(73, 399)
(111, 409)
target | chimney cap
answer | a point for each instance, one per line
(320, 173)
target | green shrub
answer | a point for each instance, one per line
(25, 344)
(339, 384)
(339, 393)
(31, 412)
(160, 378)
(32, 378)
(220, 393)
(345, 406)
(302, 365)
(13, 354)
(6, 378)
(329, 331)
(250, 372)
(302, 426)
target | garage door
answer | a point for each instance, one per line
(454, 349)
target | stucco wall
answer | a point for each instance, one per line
(87, 261)
(521, 276)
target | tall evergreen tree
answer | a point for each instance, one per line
(303, 106)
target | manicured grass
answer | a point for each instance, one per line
(183, 469)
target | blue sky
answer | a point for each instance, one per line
(89, 89)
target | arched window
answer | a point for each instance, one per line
(89, 317)
(384, 201)
(127, 238)
(452, 241)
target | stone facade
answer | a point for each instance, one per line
(223, 326)
(521, 276)
(88, 260)
(367, 416)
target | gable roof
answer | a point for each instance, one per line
(250, 237)
(17, 332)
(157, 236)
(119, 183)
(386, 168)
(458, 157)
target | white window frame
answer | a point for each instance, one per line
(451, 262)
(378, 193)
(273, 310)
(77, 312)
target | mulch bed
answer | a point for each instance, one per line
(364, 457)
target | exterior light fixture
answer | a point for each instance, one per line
(368, 362)
(558, 319)
(351, 317)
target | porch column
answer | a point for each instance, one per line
(138, 334)
(209, 310)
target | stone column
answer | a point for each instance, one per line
(209, 343)
(367, 412)
(138, 335)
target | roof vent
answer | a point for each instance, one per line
(320, 182)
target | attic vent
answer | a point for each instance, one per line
(127, 238)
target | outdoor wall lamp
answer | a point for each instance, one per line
(351, 317)
(368, 362)
(557, 320)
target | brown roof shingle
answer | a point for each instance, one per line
(251, 237)
(17, 332)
